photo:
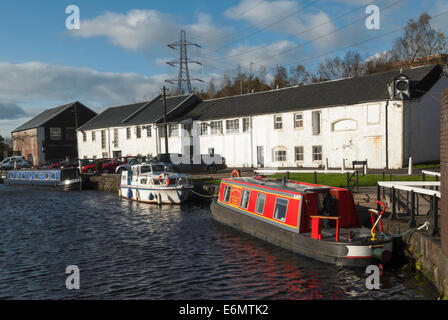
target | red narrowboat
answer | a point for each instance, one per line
(317, 221)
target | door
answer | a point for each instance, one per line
(260, 156)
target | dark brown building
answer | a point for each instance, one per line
(51, 135)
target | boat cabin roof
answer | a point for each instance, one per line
(279, 185)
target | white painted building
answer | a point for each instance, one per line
(384, 118)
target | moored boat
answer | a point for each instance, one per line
(155, 183)
(317, 221)
(62, 178)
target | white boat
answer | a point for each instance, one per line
(155, 183)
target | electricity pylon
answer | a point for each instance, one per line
(183, 80)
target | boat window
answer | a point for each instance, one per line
(245, 199)
(46, 176)
(146, 169)
(158, 168)
(53, 176)
(281, 206)
(226, 196)
(23, 176)
(143, 181)
(259, 206)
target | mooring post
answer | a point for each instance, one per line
(423, 176)
(315, 177)
(412, 222)
(394, 204)
(435, 211)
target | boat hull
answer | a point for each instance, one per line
(338, 253)
(165, 195)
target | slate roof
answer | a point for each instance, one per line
(324, 94)
(133, 114)
(43, 117)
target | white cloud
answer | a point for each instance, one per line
(35, 81)
(144, 29)
(287, 17)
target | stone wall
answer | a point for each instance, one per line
(105, 182)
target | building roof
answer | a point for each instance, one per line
(347, 91)
(43, 117)
(134, 114)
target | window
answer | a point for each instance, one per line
(138, 132)
(173, 130)
(56, 134)
(233, 126)
(245, 199)
(373, 114)
(246, 124)
(298, 153)
(279, 154)
(317, 153)
(278, 123)
(204, 126)
(211, 151)
(148, 131)
(226, 196)
(84, 137)
(316, 117)
(93, 136)
(216, 127)
(259, 206)
(103, 139)
(116, 138)
(298, 120)
(128, 133)
(188, 127)
(281, 206)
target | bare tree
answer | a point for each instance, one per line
(419, 40)
(298, 75)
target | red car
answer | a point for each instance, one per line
(110, 167)
(90, 168)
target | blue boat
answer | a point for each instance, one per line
(63, 178)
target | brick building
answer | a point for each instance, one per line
(51, 134)
(444, 171)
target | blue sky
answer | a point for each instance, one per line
(119, 54)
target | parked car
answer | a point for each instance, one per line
(132, 162)
(110, 166)
(49, 163)
(91, 167)
(207, 163)
(70, 163)
(18, 161)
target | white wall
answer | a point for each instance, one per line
(422, 125)
(347, 132)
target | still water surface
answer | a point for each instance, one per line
(128, 250)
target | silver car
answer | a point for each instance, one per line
(132, 162)
(10, 162)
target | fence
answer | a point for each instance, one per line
(352, 176)
(414, 191)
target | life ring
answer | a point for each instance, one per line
(164, 178)
(236, 173)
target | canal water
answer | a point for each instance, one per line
(128, 250)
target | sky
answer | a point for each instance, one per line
(118, 55)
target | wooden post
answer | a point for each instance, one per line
(412, 223)
(315, 177)
(435, 211)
